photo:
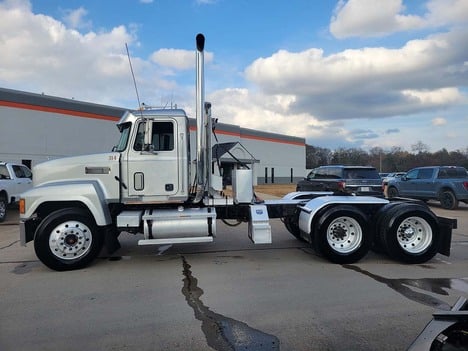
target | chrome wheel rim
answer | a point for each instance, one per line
(344, 235)
(414, 235)
(70, 240)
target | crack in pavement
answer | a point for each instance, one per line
(9, 245)
(223, 333)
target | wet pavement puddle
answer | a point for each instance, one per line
(221, 332)
(434, 285)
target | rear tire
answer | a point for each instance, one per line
(410, 234)
(380, 217)
(342, 235)
(291, 224)
(448, 200)
(68, 239)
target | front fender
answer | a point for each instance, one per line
(89, 193)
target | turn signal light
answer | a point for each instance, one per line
(22, 206)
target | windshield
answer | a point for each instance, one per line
(124, 134)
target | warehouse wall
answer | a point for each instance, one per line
(40, 136)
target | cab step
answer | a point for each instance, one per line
(188, 240)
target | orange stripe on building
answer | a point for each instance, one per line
(57, 110)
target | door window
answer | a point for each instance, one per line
(162, 138)
(425, 173)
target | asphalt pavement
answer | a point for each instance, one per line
(226, 295)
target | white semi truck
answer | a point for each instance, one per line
(148, 185)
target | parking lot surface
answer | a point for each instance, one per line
(226, 295)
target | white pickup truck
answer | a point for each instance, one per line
(14, 180)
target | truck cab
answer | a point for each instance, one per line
(154, 156)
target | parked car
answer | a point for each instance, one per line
(391, 176)
(361, 180)
(14, 180)
(447, 184)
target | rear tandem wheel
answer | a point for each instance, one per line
(342, 235)
(409, 233)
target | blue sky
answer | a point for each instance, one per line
(346, 73)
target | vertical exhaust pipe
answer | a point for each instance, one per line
(201, 166)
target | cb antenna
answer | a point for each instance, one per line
(133, 76)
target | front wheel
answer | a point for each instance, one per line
(392, 192)
(3, 208)
(342, 235)
(410, 234)
(68, 239)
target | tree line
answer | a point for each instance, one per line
(394, 160)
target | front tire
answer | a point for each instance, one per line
(410, 234)
(3, 208)
(342, 235)
(68, 239)
(392, 192)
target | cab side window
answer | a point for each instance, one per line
(412, 174)
(163, 136)
(4, 172)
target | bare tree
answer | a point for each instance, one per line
(420, 147)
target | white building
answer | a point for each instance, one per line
(35, 128)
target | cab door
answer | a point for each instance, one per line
(154, 171)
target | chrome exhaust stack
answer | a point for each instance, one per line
(201, 166)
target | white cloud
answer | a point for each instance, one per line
(435, 97)
(76, 18)
(370, 82)
(42, 54)
(177, 58)
(369, 18)
(439, 121)
(268, 113)
(443, 12)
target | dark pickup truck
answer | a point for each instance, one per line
(447, 184)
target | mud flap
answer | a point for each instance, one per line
(446, 225)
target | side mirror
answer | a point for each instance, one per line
(148, 135)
